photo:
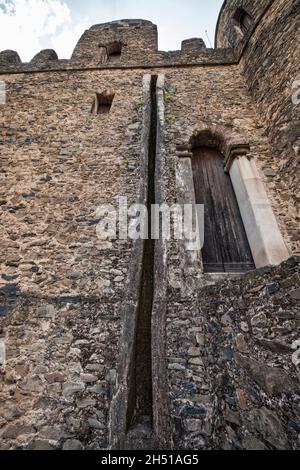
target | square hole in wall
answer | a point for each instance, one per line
(114, 51)
(102, 103)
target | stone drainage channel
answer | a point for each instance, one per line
(139, 412)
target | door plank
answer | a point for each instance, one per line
(226, 247)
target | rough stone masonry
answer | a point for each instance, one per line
(222, 350)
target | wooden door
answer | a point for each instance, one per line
(226, 247)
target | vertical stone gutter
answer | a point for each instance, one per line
(161, 413)
(139, 411)
(120, 402)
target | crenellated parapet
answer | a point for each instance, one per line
(193, 46)
(120, 44)
(8, 58)
(118, 41)
(44, 56)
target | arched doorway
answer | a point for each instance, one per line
(226, 247)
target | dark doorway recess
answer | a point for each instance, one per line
(226, 247)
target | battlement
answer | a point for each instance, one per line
(124, 43)
(9, 57)
(125, 40)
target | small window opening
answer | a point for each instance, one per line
(243, 20)
(102, 103)
(114, 52)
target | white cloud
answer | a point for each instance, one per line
(27, 26)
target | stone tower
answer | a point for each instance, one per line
(153, 344)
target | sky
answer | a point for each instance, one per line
(28, 26)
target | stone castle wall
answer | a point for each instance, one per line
(137, 40)
(227, 33)
(270, 65)
(269, 60)
(233, 384)
(61, 288)
(62, 291)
